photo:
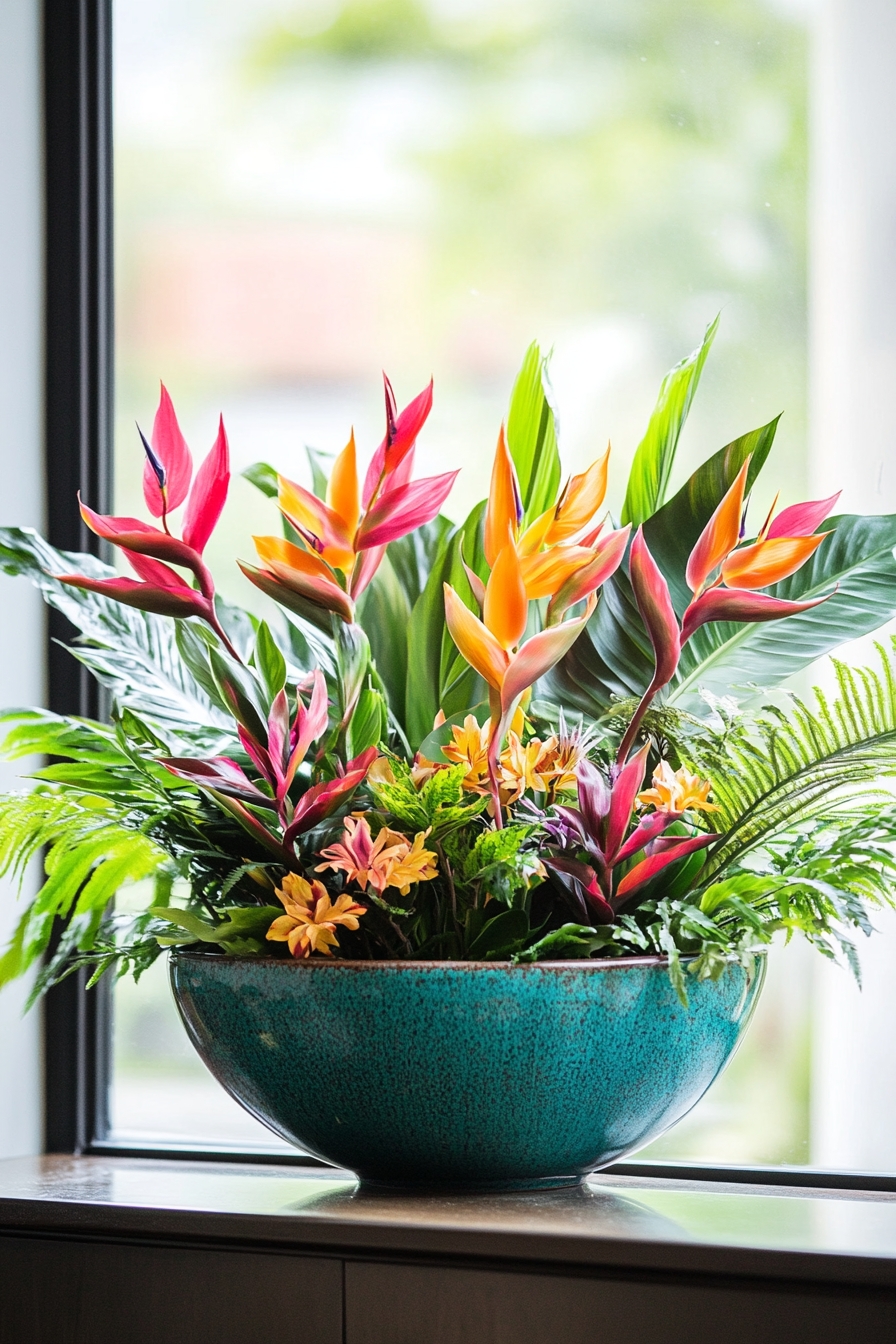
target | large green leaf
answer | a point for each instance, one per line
(132, 653)
(652, 465)
(384, 613)
(531, 435)
(857, 558)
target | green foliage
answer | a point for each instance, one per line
(90, 854)
(532, 435)
(778, 769)
(238, 930)
(440, 804)
(652, 466)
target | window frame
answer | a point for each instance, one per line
(79, 368)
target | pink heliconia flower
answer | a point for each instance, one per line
(151, 551)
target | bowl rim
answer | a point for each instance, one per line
(356, 963)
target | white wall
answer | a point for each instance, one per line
(853, 446)
(21, 616)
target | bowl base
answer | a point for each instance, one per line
(423, 1187)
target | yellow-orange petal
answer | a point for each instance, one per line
(477, 644)
(506, 607)
(579, 502)
(343, 490)
(503, 512)
(543, 574)
(310, 514)
(532, 539)
(720, 535)
(767, 562)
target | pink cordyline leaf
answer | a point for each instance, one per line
(594, 801)
(648, 829)
(221, 774)
(648, 868)
(159, 601)
(400, 511)
(623, 792)
(258, 755)
(586, 880)
(309, 723)
(171, 449)
(278, 736)
(208, 494)
(401, 435)
(801, 520)
(725, 604)
(318, 802)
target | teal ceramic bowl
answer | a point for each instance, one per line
(480, 1076)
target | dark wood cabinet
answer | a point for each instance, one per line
(119, 1251)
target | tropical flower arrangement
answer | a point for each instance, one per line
(540, 734)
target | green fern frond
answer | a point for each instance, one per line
(781, 769)
(90, 854)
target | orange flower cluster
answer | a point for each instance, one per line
(536, 766)
(388, 861)
(311, 918)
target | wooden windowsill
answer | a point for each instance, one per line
(619, 1228)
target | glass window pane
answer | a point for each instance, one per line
(309, 191)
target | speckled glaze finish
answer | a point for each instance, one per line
(462, 1074)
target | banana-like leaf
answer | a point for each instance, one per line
(652, 465)
(531, 435)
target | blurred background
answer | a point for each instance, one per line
(309, 192)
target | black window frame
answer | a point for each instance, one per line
(78, 420)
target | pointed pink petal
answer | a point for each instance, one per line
(366, 565)
(133, 535)
(648, 829)
(170, 447)
(608, 556)
(801, 520)
(655, 605)
(208, 494)
(304, 591)
(539, 654)
(403, 509)
(401, 435)
(648, 868)
(725, 604)
(143, 596)
(155, 573)
(625, 789)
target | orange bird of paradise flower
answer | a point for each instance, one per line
(550, 558)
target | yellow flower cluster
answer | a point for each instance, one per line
(311, 918)
(390, 860)
(677, 791)
(537, 767)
